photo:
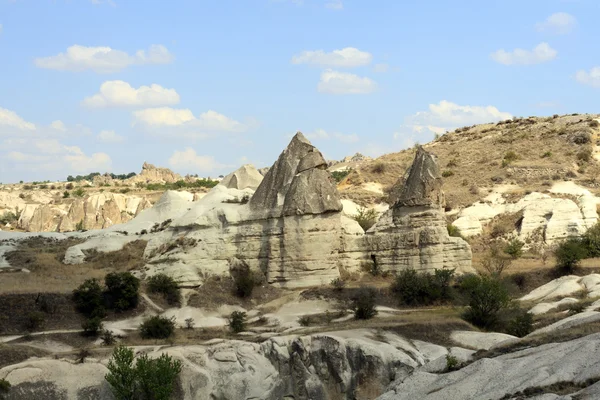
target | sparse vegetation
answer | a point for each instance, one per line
(340, 175)
(79, 192)
(447, 173)
(244, 281)
(584, 155)
(366, 218)
(157, 327)
(199, 183)
(568, 254)
(453, 231)
(547, 154)
(495, 262)
(122, 290)
(363, 303)
(451, 362)
(189, 323)
(237, 321)
(379, 167)
(514, 248)
(338, 284)
(4, 387)
(521, 324)
(305, 320)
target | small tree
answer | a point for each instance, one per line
(237, 321)
(121, 376)
(88, 298)
(92, 326)
(243, 280)
(568, 254)
(514, 248)
(363, 303)
(591, 241)
(521, 324)
(488, 296)
(157, 327)
(122, 290)
(156, 377)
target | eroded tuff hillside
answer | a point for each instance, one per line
(532, 153)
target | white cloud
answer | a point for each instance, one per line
(210, 121)
(590, 78)
(559, 23)
(334, 82)
(50, 155)
(346, 57)
(110, 137)
(540, 54)
(11, 119)
(99, 2)
(447, 116)
(58, 125)
(121, 94)
(334, 5)
(381, 67)
(103, 59)
(321, 134)
(189, 161)
(1, 27)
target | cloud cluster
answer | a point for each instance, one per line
(321, 134)
(590, 78)
(188, 160)
(103, 59)
(559, 23)
(346, 57)
(335, 82)
(540, 54)
(122, 94)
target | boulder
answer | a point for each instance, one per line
(152, 174)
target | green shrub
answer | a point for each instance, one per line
(305, 320)
(594, 123)
(66, 194)
(451, 362)
(122, 290)
(338, 284)
(547, 154)
(340, 175)
(108, 338)
(568, 254)
(157, 327)
(521, 324)
(366, 218)
(585, 155)
(79, 226)
(577, 308)
(363, 303)
(237, 321)
(92, 326)
(379, 167)
(510, 156)
(165, 285)
(591, 241)
(453, 231)
(488, 296)
(514, 248)
(88, 298)
(496, 261)
(448, 173)
(414, 288)
(79, 192)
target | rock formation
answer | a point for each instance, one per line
(245, 177)
(293, 230)
(152, 174)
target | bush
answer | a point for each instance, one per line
(363, 303)
(157, 327)
(305, 320)
(514, 248)
(414, 288)
(576, 308)
(237, 321)
(451, 362)
(366, 218)
(79, 192)
(92, 326)
(340, 175)
(379, 168)
(568, 254)
(584, 155)
(166, 286)
(243, 280)
(509, 157)
(189, 323)
(66, 194)
(547, 154)
(453, 231)
(521, 324)
(108, 338)
(495, 262)
(122, 290)
(88, 298)
(594, 123)
(591, 241)
(488, 296)
(448, 173)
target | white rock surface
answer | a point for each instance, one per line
(543, 308)
(565, 286)
(480, 340)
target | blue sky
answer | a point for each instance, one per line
(205, 86)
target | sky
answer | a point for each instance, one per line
(204, 86)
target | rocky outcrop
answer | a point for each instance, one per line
(505, 376)
(340, 365)
(152, 174)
